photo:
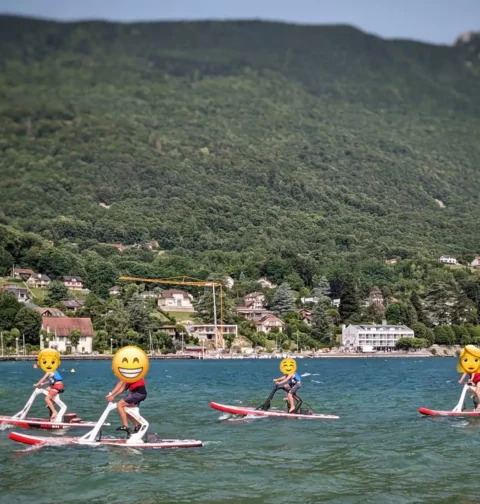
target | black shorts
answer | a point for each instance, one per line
(135, 398)
(295, 387)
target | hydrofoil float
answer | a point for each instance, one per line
(265, 411)
(94, 438)
(459, 410)
(62, 420)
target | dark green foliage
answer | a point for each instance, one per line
(321, 324)
(29, 322)
(74, 338)
(319, 164)
(401, 313)
(9, 307)
(138, 316)
(101, 276)
(462, 336)
(423, 332)
(283, 301)
(349, 300)
(314, 155)
(101, 341)
(444, 335)
(6, 262)
(419, 309)
(56, 292)
(229, 338)
(411, 343)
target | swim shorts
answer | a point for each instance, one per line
(294, 389)
(135, 398)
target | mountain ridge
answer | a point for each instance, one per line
(239, 136)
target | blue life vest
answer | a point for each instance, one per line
(56, 377)
(295, 379)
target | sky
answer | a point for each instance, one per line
(435, 21)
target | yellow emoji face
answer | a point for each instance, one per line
(49, 360)
(288, 366)
(469, 361)
(130, 364)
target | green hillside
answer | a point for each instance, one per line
(253, 138)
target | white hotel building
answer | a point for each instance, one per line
(373, 337)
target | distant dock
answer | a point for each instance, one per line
(210, 357)
(33, 358)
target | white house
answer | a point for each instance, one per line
(59, 330)
(268, 322)
(309, 300)
(336, 303)
(254, 300)
(149, 295)
(39, 281)
(446, 259)
(73, 283)
(265, 283)
(252, 313)
(207, 331)
(115, 290)
(176, 300)
(373, 337)
(476, 262)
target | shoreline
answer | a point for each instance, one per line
(33, 358)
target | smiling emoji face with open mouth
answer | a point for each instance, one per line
(130, 364)
(288, 366)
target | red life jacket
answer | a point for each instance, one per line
(475, 377)
(135, 385)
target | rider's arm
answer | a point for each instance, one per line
(119, 388)
(43, 380)
(463, 377)
(285, 379)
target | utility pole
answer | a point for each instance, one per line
(111, 346)
(182, 340)
(23, 335)
(1, 336)
(16, 345)
(215, 317)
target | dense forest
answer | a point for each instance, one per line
(242, 148)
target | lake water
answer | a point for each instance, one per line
(380, 451)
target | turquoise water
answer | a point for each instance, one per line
(381, 450)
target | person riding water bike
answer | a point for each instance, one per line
(56, 387)
(291, 383)
(137, 393)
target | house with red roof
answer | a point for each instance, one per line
(59, 330)
(22, 273)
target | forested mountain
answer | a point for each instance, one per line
(237, 143)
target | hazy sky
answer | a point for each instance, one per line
(438, 21)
